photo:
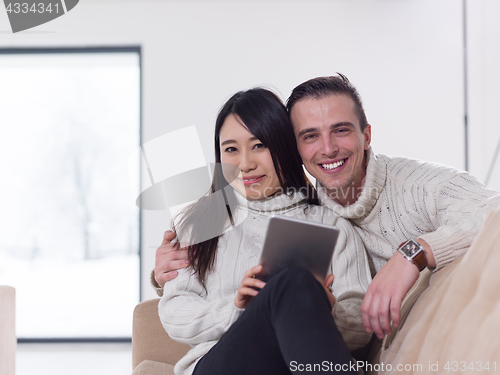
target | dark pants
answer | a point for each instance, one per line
(286, 328)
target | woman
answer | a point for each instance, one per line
(288, 323)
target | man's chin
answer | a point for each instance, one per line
(332, 185)
(337, 188)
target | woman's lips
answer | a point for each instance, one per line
(247, 181)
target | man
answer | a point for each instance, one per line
(410, 214)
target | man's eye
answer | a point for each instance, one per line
(309, 136)
(341, 130)
(230, 149)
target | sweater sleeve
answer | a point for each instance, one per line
(458, 207)
(352, 277)
(189, 316)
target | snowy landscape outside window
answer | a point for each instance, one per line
(70, 120)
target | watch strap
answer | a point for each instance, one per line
(419, 259)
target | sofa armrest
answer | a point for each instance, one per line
(8, 341)
(149, 339)
(457, 318)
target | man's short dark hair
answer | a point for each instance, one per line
(320, 87)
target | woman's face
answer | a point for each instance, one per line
(255, 178)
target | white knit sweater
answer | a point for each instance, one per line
(193, 316)
(404, 198)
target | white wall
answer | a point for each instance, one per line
(405, 57)
(484, 86)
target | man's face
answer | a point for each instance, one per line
(331, 144)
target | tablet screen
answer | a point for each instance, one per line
(291, 243)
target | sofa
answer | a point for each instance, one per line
(450, 321)
(8, 341)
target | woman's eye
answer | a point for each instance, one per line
(230, 149)
(259, 145)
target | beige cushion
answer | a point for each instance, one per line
(458, 317)
(148, 367)
(149, 339)
(8, 341)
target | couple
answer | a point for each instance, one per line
(389, 201)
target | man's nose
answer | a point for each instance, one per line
(330, 148)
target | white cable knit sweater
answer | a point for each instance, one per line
(404, 198)
(193, 316)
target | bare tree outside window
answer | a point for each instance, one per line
(69, 123)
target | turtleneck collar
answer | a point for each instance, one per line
(272, 205)
(376, 173)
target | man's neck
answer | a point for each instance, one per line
(346, 196)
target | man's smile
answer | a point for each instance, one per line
(330, 166)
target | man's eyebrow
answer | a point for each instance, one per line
(308, 130)
(345, 123)
(339, 124)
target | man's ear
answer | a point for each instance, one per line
(368, 135)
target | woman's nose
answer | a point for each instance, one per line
(247, 162)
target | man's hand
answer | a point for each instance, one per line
(382, 302)
(326, 285)
(246, 293)
(169, 258)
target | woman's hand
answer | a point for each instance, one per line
(246, 293)
(326, 285)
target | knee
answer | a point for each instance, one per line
(298, 287)
(296, 278)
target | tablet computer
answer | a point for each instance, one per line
(291, 243)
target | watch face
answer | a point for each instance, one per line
(411, 248)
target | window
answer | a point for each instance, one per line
(70, 119)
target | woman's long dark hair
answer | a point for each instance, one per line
(265, 116)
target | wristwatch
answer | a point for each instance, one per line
(414, 252)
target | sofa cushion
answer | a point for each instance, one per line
(149, 339)
(456, 320)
